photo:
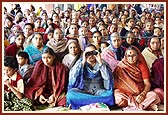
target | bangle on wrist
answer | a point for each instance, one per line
(143, 93)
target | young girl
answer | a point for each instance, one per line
(15, 47)
(14, 88)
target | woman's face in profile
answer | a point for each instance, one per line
(132, 56)
(48, 59)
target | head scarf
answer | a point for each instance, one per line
(155, 52)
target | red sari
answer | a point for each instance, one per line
(128, 78)
(131, 76)
(128, 81)
(45, 81)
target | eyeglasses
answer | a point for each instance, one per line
(155, 43)
(133, 55)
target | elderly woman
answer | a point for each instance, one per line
(34, 50)
(90, 81)
(48, 82)
(115, 52)
(59, 44)
(74, 53)
(132, 84)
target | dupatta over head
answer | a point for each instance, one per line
(129, 78)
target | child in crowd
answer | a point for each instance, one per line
(14, 87)
(25, 69)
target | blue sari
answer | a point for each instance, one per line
(77, 94)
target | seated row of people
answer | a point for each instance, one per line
(91, 80)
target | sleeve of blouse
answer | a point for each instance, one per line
(144, 67)
(20, 86)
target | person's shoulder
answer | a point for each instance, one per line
(59, 64)
(67, 56)
(29, 66)
(18, 77)
(38, 63)
(11, 46)
(145, 50)
(28, 46)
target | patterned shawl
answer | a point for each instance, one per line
(60, 46)
(78, 71)
(109, 56)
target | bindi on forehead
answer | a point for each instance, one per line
(131, 52)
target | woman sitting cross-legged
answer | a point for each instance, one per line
(132, 84)
(90, 81)
(48, 82)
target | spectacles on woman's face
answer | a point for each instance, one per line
(133, 55)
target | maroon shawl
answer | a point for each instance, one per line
(38, 80)
(157, 74)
